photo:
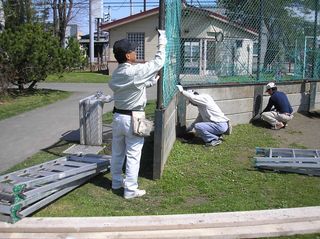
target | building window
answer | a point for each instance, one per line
(191, 56)
(139, 38)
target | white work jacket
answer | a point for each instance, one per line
(209, 111)
(129, 82)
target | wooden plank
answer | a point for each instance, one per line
(162, 222)
(254, 231)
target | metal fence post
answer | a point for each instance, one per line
(314, 46)
(160, 81)
(259, 39)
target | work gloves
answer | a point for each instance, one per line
(106, 98)
(152, 82)
(180, 88)
(162, 38)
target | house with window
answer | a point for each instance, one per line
(211, 45)
(101, 49)
(140, 28)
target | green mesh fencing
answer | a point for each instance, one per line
(171, 70)
(240, 41)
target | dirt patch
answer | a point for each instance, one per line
(303, 131)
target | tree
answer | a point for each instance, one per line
(283, 22)
(17, 12)
(5, 70)
(30, 54)
(74, 56)
(62, 10)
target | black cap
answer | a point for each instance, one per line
(124, 46)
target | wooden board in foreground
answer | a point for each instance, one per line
(246, 224)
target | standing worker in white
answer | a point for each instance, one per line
(128, 83)
(211, 122)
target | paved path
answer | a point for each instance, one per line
(26, 134)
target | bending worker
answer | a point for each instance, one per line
(128, 83)
(211, 122)
(278, 112)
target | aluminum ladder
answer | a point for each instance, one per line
(302, 161)
(25, 191)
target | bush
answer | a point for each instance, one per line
(30, 54)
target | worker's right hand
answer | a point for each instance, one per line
(180, 88)
(154, 80)
(106, 98)
(162, 37)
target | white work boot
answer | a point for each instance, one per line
(134, 194)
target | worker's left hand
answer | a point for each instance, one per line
(190, 128)
(162, 37)
(180, 88)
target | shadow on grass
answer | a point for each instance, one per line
(187, 137)
(313, 114)
(57, 148)
(146, 163)
(103, 182)
(260, 123)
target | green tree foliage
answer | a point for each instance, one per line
(74, 55)
(17, 12)
(30, 54)
(284, 20)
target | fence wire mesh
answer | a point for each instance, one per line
(240, 41)
(171, 70)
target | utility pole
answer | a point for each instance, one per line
(131, 8)
(91, 33)
(314, 45)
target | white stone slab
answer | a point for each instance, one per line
(79, 149)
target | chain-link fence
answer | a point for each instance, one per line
(240, 41)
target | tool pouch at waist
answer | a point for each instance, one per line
(141, 126)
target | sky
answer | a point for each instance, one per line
(117, 8)
(122, 8)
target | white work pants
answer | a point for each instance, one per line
(125, 144)
(273, 117)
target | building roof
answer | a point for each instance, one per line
(155, 11)
(103, 38)
(135, 17)
(221, 18)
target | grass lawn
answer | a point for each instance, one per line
(78, 77)
(14, 103)
(196, 179)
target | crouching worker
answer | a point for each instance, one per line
(128, 83)
(211, 122)
(278, 112)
